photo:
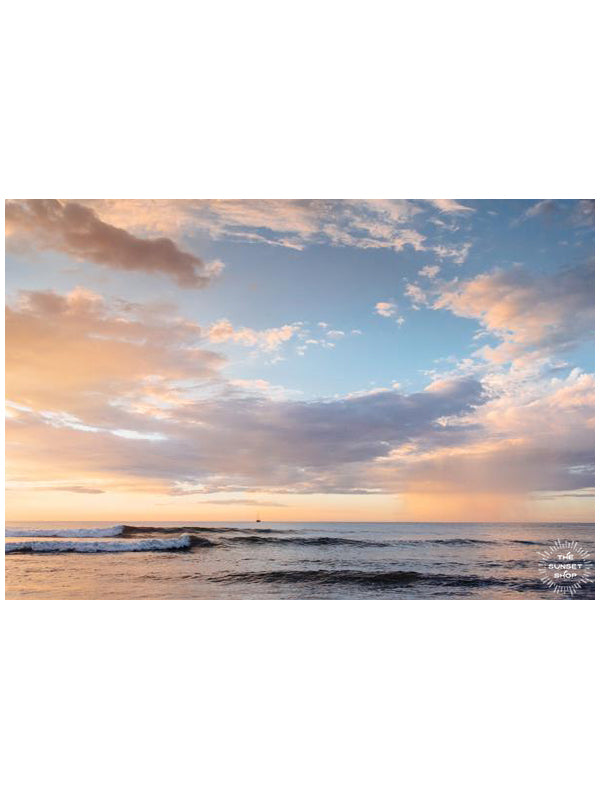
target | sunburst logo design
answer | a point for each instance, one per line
(565, 567)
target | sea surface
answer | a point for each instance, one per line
(286, 561)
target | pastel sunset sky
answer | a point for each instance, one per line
(302, 359)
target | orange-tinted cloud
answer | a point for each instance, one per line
(534, 315)
(71, 352)
(365, 224)
(514, 444)
(76, 230)
(268, 339)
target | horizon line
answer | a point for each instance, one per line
(335, 521)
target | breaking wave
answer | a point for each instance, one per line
(65, 533)
(114, 546)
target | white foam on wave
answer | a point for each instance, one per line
(114, 546)
(64, 533)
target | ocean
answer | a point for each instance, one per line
(299, 561)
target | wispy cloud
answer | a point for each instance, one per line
(543, 208)
(559, 211)
(364, 224)
(584, 214)
(456, 253)
(451, 207)
(429, 272)
(415, 294)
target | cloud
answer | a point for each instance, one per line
(533, 314)
(584, 214)
(268, 340)
(57, 487)
(295, 224)
(581, 215)
(385, 309)
(107, 394)
(67, 353)
(544, 208)
(526, 439)
(451, 443)
(417, 295)
(76, 230)
(429, 272)
(408, 237)
(457, 253)
(323, 434)
(241, 502)
(103, 396)
(117, 397)
(254, 386)
(451, 207)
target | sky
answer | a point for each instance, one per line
(383, 360)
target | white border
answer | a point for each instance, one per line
(316, 99)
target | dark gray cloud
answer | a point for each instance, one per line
(77, 230)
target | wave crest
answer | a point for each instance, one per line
(114, 546)
(64, 533)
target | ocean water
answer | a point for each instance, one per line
(295, 561)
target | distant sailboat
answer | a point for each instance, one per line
(258, 518)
